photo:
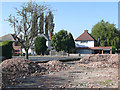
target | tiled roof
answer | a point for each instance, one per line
(94, 48)
(7, 37)
(85, 37)
(17, 47)
(44, 35)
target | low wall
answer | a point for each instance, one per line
(74, 55)
(60, 53)
(78, 55)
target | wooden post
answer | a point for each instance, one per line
(102, 51)
(110, 51)
(68, 54)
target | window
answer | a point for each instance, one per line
(84, 41)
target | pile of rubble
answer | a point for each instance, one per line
(12, 69)
(54, 66)
(100, 60)
(18, 68)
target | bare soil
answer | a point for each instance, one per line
(100, 73)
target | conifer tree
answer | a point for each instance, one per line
(41, 23)
(50, 22)
(46, 25)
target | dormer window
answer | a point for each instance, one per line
(84, 41)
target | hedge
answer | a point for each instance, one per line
(7, 48)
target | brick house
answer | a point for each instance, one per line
(17, 49)
(16, 45)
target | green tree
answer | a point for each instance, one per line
(25, 23)
(50, 23)
(62, 41)
(107, 33)
(41, 23)
(46, 25)
(71, 46)
(40, 45)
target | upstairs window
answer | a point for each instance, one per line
(84, 41)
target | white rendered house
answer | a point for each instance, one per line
(86, 44)
(83, 42)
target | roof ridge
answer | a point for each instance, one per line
(5, 35)
(79, 36)
(12, 36)
(85, 36)
(92, 36)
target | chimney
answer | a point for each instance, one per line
(50, 35)
(86, 31)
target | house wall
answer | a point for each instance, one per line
(84, 44)
(48, 44)
(30, 51)
(84, 51)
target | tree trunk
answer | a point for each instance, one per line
(26, 54)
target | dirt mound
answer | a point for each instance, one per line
(100, 60)
(54, 62)
(17, 68)
(54, 66)
(13, 69)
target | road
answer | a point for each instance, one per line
(46, 58)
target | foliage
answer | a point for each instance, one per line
(25, 23)
(41, 23)
(40, 45)
(46, 25)
(62, 41)
(71, 44)
(113, 49)
(49, 25)
(47, 51)
(50, 22)
(107, 33)
(6, 49)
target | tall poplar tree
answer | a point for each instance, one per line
(50, 22)
(25, 23)
(46, 25)
(41, 23)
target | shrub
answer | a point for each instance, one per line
(40, 45)
(113, 49)
(47, 51)
(7, 48)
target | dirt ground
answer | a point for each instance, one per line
(78, 76)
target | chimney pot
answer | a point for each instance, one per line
(85, 30)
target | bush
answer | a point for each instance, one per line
(6, 49)
(47, 51)
(40, 45)
(113, 49)
(16, 54)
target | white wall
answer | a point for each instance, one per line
(30, 51)
(48, 44)
(88, 44)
